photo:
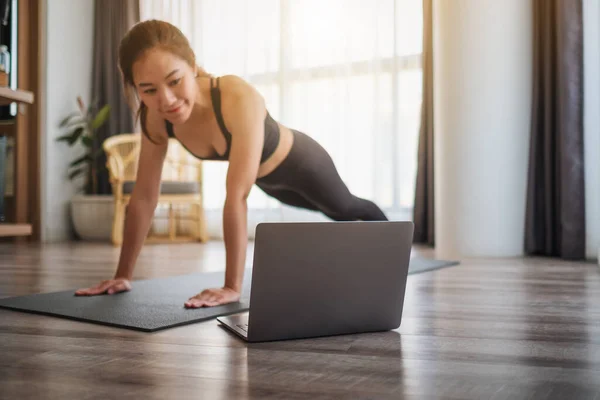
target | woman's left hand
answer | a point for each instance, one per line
(213, 297)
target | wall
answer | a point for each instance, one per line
(69, 41)
(591, 32)
(482, 97)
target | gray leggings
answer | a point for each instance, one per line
(308, 179)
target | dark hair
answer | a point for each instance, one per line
(145, 36)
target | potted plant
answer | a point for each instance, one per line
(91, 212)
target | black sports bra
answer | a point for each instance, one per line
(271, 128)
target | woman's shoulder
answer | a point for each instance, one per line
(232, 82)
(235, 91)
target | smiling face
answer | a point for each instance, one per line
(166, 84)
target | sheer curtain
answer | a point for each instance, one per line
(346, 72)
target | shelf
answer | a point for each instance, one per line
(8, 128)
(15, 229)
(8, 95)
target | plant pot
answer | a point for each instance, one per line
(92, 216)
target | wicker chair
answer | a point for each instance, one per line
(181, 187)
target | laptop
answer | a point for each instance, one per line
(315, 279)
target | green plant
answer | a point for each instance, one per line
(82, 126)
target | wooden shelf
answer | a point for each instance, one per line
(24, 206)
(8, 95)
(15, 229)
(8, 128)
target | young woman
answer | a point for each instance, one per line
(222, 118)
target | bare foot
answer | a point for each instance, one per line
(213, 297)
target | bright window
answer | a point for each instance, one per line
(346, 72)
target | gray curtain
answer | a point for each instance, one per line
(112, 19)
(424, 206)
(555, 211)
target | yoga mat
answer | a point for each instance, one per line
(155, 304)
(419, 264)
(151, 305)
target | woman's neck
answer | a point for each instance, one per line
(202, 108)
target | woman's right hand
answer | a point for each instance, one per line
(110, 286)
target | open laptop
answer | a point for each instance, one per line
(312, 279)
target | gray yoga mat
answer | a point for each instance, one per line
(154, 304)
(418, 265)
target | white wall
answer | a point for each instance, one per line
(69, 40)
(482, 95)
(591, 33)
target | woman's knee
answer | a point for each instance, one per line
(341, 210)
(357, 209)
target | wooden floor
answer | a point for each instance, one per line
(487, 329)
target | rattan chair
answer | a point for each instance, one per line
(181, 188)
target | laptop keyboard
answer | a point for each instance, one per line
(243, 327)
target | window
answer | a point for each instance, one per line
(345, 72)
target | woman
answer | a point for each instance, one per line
(216, 119)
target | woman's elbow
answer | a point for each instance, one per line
(144, 199)
(238, 194)
(236, 200)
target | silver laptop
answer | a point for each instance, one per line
(312, 279)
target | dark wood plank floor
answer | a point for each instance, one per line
(487, 329)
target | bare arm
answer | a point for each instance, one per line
(244, 115)
(138, 216)
(142, 204)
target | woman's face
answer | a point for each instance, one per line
(166, 84)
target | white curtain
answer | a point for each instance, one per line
(345, 72)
